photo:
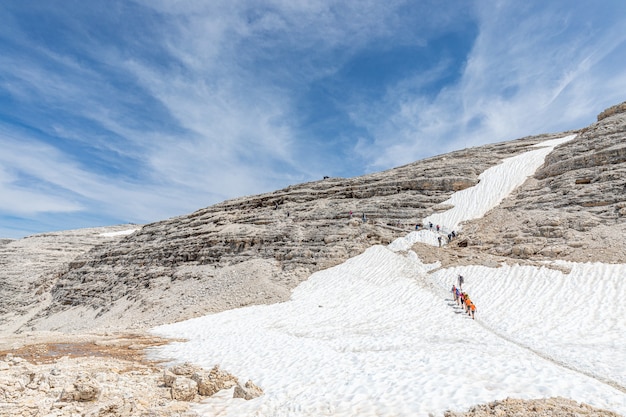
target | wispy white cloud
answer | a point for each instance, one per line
(196, 102)
(534, 68)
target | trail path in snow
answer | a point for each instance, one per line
(445, 294)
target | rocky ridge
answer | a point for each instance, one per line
(574, 208)
(31, 266)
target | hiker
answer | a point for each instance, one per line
(453, 233)
(430, 225)
(350, 213)
(449, 237)
(437, 227)
(461, 281)
(439, 239)
(467, 301)
(473, 310)
(454, 292)
(458, 296)
(417, 226)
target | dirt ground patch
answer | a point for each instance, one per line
(131, 348)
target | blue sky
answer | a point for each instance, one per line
(135, 111)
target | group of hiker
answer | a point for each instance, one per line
(439, 230)
(462, 299)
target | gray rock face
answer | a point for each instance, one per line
(574, 208)
(29, 268)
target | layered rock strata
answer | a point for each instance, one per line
(30, 267)
(573, 208)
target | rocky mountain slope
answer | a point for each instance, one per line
(31, 266)
(574, 208)
(255, 249)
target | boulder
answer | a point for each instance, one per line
(85, 388)
(168, 378)
(248, 391)
(214, 381)
(184, 389)
(186, 369)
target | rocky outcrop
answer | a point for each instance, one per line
(618, 108)
(187, 381)
(101, 379)
(248, 392)
(213, 381)
(574, 206)
(29, 268)
(65, 388)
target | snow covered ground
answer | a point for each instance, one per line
(119, 233)
(380, 336)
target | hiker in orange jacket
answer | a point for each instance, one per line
(466, 307)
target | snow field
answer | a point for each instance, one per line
(377, 336)
(575, 318)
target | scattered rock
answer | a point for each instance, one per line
(168, 378)
(214, 381)
(548, 407)
(84, 388)
(186, 369)
(184, 389)
(248, 391)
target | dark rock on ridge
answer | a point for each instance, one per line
(618, 108)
